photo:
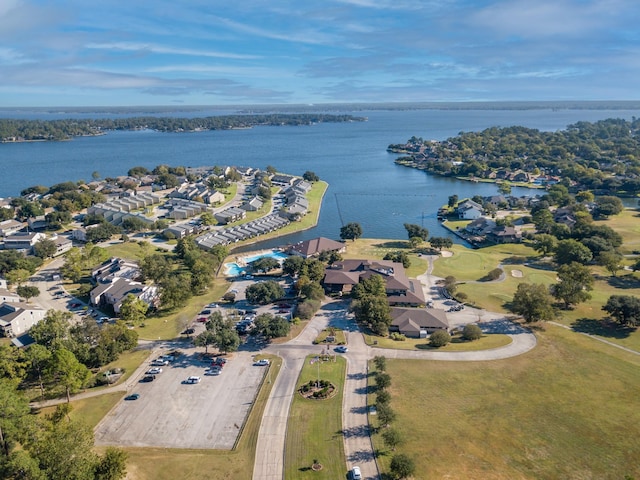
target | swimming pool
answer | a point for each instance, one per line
(233, 269)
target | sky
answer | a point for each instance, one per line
(225, 52)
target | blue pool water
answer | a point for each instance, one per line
(234, 270)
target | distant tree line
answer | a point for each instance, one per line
(29, 130)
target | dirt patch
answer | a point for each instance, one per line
(446, 253)
(517, 273)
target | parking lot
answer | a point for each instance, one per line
(173, 414)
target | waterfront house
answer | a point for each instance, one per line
(469, 210)
(504, 234)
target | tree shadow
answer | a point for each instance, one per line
(602, 328)
(393, 244)
(624, 282)
(359, 431)
(358, 376)
(361, 456)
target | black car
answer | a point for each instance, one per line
(188, 331)
(148, 378)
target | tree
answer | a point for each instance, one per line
(471, 332)
(68, 372)
(205, 339)
(374, 285)
(625, 309)
(27, 292)
(441, 242)
(571, 250)
(533, 302)
(45, 248)
(270, 326)
(13, 408)
(504, 188)
(175, 291)
(383, 380)
(610, 260)
(103, 232)
(313, 268)
(52, 329)
(155, 267)
(392, 438)
(227, 339)
(399, 257)
(607, 206)
(133, 309)
(271, 169)
(385, 414)
(264, 264)
(450, 284)
(292, 265)
(112, 465)
(18, 276)
(38, 357)
(310, 176)
(545, 243)
(439, 338)
(264, 292)
(312, 290)
(453, 199)
(382, 396)
(351, 231)
(575, 282)
(414, 230)
(380, 362)
(402, 466)
(373, 311)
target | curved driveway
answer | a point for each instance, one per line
(269, 461)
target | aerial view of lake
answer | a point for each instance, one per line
(365, 185)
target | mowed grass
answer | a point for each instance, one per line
(457, 344)
(567, 409)
(626, 224)
(237, 464)
(89, 410)
(314, 429)
(374, 248)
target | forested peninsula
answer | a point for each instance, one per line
(603, 156)
(13, 130)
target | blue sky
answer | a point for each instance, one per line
(215, 52)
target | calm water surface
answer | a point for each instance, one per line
(365, 185)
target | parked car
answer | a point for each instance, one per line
(203, 320)
(148, 378)
(154, 371)
(213, 371)
(133, 396)
(261, 363)
(159, 362)
(205, 312)
(341, 349)
(189, 331)
(219, 361)
(355, 473)
(193, 379)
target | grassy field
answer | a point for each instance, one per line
(314, 427)
(237, 464)
(375, 248)
(626, 224)
(457, 344)
(567, 409)
(90, 410)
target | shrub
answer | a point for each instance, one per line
(399, 337)
(471, 332)
(494, 274)
(439, 338)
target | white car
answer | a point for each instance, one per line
(159, 362)
(261, 363)
(193, 379)
(355, 473)
(154, 371)
(213, 371)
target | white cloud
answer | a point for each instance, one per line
(151, 48)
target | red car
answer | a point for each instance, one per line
(203, 319)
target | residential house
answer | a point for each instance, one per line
(469, 210)
(17, 318)
(37, 223)
(181, 230)
(504, 234)
(7, 227)
(252, 205)
(283, 180)
(230, 215)
(113, 268)
(23, 241)
(116, 291)
(6, 296)
(418, 322)
(315, 246)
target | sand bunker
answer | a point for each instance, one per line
(517, 273)
(446, 253)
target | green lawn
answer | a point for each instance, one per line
(90, 410)
(626, 224)
(457, 344)
(567, 409)
(314, 429)
(237, 464)
(338, 335)
(373, 248)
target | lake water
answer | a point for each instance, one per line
(365, 186)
